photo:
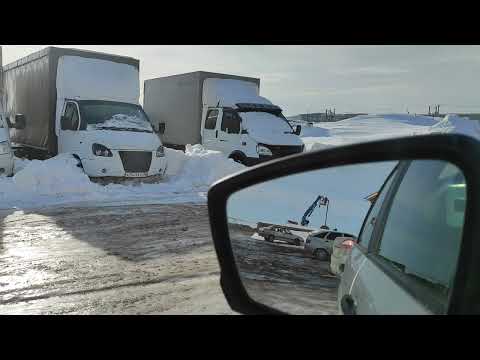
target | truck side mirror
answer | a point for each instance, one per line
(161, 128)
(298, 129)
(64, 123)
(20, 121)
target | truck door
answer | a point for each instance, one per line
(210, 131)
(69, 138)
(230, 132)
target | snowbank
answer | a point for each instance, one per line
(455, 124)
(59, 181)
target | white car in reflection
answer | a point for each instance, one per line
(319, 244)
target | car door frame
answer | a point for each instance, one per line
(225, 139)
(70, 139)
(211, 142)
(401, 280)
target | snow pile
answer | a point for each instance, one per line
(122, 121)
(364, 128)
(59, 181)
(455, 124)
(53, 176)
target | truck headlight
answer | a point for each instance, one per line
(263, 150)
(101, 150)
(4, 147)
(160, 151)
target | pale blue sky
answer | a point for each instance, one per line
(374, 79)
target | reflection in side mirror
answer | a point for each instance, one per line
(20, 122)
(300, 241)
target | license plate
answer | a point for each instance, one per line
(136, 174)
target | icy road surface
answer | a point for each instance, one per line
(156, 259)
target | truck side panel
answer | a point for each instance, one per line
(28, 91)
(175, 101)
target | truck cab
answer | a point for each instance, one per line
(245, 126)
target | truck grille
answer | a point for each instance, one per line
(284, 150)
(136, 161)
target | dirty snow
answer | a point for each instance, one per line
(58, 181)
(122, 121)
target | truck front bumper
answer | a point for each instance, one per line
(99, 166)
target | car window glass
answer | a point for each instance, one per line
(211, 121)
(332, 236)
(230, 123)
(369, 224)
(75, 117)
(421, 238)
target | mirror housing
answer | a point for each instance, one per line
(20, 122)
(298, 129)
(462, 151)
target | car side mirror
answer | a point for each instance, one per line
(298, 129)
(20, 122)
(431, 184)
(65, 123)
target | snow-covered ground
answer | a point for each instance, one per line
(58, 181)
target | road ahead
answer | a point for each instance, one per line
(149, 259)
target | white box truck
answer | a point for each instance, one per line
(221, 112)
(84, 103)
(6, 155)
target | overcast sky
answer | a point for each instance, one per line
(301, 79)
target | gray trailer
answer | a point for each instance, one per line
(30, 86)
(175, 103)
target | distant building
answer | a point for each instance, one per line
(321, 117)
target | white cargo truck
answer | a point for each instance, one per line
(221, 112)
(6, 155)
(86, 104)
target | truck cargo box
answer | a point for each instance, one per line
(30, 86)
(177, 102)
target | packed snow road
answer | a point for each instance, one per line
(153, 259)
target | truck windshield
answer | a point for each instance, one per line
(109, 115)
(261, 122)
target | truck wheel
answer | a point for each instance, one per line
(269, 238)
(320, 254)
(238, 158)
(298, 242)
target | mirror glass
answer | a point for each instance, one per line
(374, 238)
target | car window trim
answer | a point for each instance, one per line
(359, 244)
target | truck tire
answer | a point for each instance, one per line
(321, 254)
(238, 157)
(298, 242)
(269, 238)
